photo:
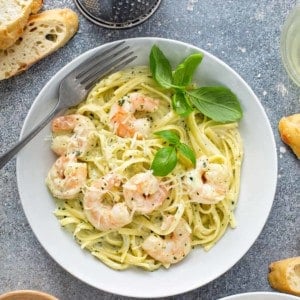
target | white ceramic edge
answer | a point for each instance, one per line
(255, 295)
(272, 189)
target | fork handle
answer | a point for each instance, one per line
(7, 156)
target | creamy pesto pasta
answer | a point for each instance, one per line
(103, 172)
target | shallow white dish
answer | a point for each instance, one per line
(258, 183)
(260, 296)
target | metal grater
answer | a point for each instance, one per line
(117, 13)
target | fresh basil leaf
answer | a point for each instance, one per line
(217, 103)
(183, 74)
(164, 162)
(168, 135)
(187, 151)
(180, 104)
(160, 67)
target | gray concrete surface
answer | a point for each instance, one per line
(246, 35)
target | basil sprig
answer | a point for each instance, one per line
(183, 74)
(165, 159)
(216, 102)
(181, 104)
(160, 68)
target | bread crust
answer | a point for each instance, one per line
(44, 34)
(280, 275)
(36, 6)
(289, 128)
(11, 31)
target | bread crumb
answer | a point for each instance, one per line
(190, 5)
(282, 89)
(282, 149)
(243, 50)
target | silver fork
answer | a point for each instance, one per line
(75, 86)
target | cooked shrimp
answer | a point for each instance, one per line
(173, 248)
(66, 177)
(208, 183)
(74, 122)
(123, 120)
(75, 134)
(101, 215)
(143, 192)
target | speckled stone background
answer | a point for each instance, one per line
(246, 35)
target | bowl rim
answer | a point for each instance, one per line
(259, 293)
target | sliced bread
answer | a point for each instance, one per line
(44, 33)
(285, 275)
(13, 18)
(289, 129)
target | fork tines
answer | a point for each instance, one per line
(104, 63)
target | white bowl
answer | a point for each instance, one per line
(261, 296)
(258, 183)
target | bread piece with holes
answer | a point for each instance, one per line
(44, 33)
(14, 15)
(289, 128)
(285, 275)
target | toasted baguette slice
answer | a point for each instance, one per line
(289, 128)
(44, 33)
(285, 275)
(13, 18)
